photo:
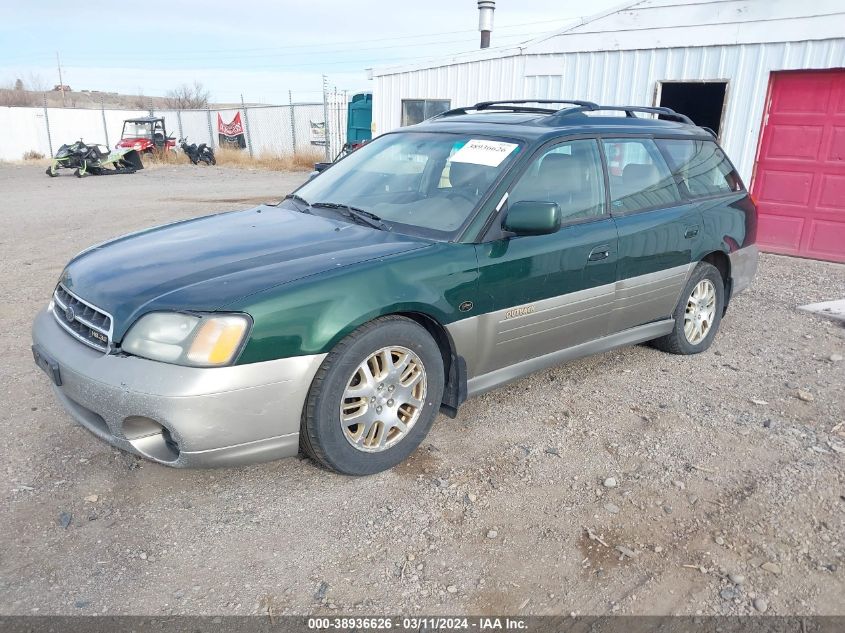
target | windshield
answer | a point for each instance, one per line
(427, 182)
(136, 130)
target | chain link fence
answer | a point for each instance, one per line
(313, 128)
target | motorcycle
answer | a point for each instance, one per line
(197, 154)
(94, 160)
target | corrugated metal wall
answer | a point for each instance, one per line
(616, 77)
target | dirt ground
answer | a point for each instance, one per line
(632, 482)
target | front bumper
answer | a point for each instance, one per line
(180, 416)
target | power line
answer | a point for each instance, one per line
(268, 50)
(205, 58)
(364, 41)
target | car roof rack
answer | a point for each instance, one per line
(484, 105)
(515, 105)
(629, 110)
(575, 107)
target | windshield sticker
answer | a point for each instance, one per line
(482, 152)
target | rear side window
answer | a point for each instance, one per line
(700, 166)
(639, 177)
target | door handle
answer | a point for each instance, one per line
(599, 253)
(691, 232)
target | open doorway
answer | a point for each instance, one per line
(702, 101)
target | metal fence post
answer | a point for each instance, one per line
(292, 122)
(103, 113)
(210, 133)
(179, 123)
(326, 117)
(150, 106)
(47, 123)
(246, 127)
(339, 132)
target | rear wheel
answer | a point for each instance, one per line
(374, 398)
(698, 313)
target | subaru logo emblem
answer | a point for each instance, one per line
(70, 315)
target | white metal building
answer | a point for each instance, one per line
(722, 62)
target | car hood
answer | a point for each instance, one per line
(206, 263)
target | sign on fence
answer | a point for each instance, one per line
(318, 132)
(231, 134)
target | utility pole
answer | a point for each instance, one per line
(61, 81)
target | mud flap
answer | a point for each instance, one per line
(455, 392)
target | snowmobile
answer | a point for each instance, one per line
(96, 160)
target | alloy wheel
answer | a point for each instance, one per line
(383, 399)
(700, 312)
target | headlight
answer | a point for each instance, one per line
(186, 339)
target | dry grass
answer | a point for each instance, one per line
(29, 158)
(303, 161)
(240, 159)
(162, 159)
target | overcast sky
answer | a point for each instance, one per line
(258, 48)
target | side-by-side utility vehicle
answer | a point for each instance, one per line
(146, 135)
(432, 264)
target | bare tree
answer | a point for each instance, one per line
(17, 98)
(139, 102)
(187, 97)
(16, 95)
(36, 83)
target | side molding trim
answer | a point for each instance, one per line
(639, 334)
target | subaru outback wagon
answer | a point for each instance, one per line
(435, 263)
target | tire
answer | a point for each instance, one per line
(51, 173)
(350, 448)
(704, 278)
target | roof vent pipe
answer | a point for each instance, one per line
(485, 20)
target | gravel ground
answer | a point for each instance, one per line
(631, 482)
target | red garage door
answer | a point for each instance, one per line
(799, 182)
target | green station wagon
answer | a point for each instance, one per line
(435, 263)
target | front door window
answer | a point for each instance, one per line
(570, 175)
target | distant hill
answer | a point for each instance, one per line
(88, 99)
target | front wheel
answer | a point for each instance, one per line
(698, 313)
(374, 398)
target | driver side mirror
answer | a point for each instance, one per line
(529, 217)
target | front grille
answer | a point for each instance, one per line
(81, 320)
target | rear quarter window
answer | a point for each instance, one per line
(700, 167)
